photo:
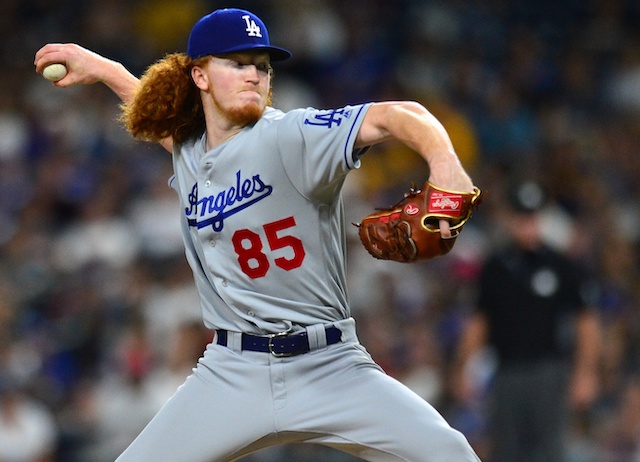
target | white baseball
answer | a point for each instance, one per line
(54, 72)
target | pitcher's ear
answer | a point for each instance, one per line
(200, 78)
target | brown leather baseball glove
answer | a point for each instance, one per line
(410, 230)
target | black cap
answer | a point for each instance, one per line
(527, 197)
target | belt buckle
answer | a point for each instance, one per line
(272, 351)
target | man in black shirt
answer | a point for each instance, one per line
(535, 308)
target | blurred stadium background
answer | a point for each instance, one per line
(98, 317)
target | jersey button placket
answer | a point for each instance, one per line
(206, 169)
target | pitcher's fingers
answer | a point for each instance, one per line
(445, 231)
(48, 54)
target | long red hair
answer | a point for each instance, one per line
(167, 103)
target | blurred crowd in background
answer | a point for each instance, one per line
(99, 320)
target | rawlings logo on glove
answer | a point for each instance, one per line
(410, 230)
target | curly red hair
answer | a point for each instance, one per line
(166, 103)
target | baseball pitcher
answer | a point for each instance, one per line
(264, 233)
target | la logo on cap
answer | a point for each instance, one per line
(231, 30)
(253, 30)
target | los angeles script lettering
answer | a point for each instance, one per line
(225, 203)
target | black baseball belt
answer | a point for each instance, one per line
(283, 344)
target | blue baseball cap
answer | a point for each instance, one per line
(230, 30)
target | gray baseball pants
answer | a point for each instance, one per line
(237, 402)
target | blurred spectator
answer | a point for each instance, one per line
(157, 204)
(188, 342)
(28, 431)
(99, 236)
(120, 406)
(170, 301)
(618, 433)
(536, 310)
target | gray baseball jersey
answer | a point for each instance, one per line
(263, 227)
(264, 234)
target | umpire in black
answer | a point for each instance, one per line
(536, 310)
